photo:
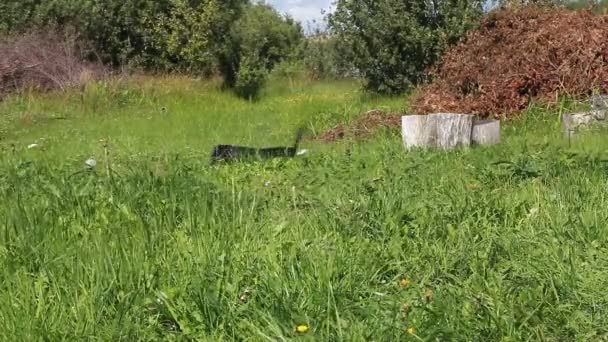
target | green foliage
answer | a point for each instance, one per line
(163, 34)
(194, 36)
(250, 78)
(317, 57)
(17, 14)
(260, 40)
(393, 42)
(323, 58)
(290, 69)
(181, 38)
(262, 31)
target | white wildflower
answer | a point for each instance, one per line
(91, 163)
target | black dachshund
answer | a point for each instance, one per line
(229, 153)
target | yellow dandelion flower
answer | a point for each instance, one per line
(405, 282)
(411, 331)
(302, 328)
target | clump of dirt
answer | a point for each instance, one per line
(364, 126)
(516, 57)
(43, 60)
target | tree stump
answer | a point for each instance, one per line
(418, 131)
(486, 132)
(599, 102)
(574, 122)
(453, 130)
(440, 130)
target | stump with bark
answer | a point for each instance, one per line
(448, 131)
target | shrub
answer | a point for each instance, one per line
(392, 42)
(251, 78)
(159, 34)
(260, 40)
(189, 36)
(44, 61)
(324, 57)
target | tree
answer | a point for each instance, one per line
(156, 34)
(393, 42)
(260, 40)
(321, 56)
(190, 35)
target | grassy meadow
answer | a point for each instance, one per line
(356, 241)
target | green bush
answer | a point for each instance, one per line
(251, 77)
(392, 42)
(191, 35)
(155, 34)
(290, 69)
(323, 57)
(259, 40)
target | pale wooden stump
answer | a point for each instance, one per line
(574, 122)
(486, 132)
(599, 102)
(440, 130)
(453, 130)
(418, 131)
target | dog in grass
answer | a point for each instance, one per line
(230, 153)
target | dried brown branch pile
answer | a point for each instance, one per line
(518, 56)
(363, 126)
(43, 61)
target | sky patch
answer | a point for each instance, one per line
(308, 12)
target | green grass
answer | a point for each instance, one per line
(510, 240)
(170, 114)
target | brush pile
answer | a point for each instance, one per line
(42, 61)
(364, 126)
(516, 57)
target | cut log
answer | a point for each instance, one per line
(574, 122)
(418, 131)
(486, 132)
(599, 102)
(453, 130)
(439, 130)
